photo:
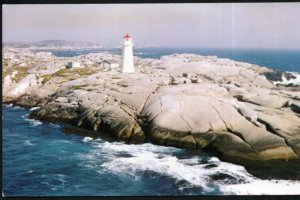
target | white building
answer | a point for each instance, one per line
(110, 63)
(73, 64)
(127, 56)
(43, 54)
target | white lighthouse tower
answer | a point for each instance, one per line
(127, 56)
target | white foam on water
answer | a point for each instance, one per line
(295, 81)
(33, 122)
(9, 105)
(171, 166)
(118, 147)
(264, 187)
(25, 116)
(58, 184)
(34, 108)
(28, 143)
(87, 139)
(54, 125)
(149, 157)
(16, 107)
(159, 159)
(61, 178)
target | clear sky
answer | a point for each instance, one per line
(241, 25)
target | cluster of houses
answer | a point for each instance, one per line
(105, 64)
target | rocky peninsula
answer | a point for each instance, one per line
(183, 100)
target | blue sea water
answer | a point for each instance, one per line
(281, 59)
(39, 159)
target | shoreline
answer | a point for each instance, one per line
(154, 103)
(251, 166)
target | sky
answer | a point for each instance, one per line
(214, 25)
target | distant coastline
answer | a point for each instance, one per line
(280, 59)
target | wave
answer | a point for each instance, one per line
(117, 147)
(16, 107)
(28, 143)
(25, 116)
(285, 81)
(34, 108)
(264, 187)
(33, 122)
(9, 105)
(208, 173)
(54, 125)
(87, 139)
(55, 182)
(189, 170)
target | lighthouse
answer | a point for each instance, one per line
(127, 56)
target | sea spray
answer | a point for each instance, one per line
(292, 81)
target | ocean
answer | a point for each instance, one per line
(41, 159)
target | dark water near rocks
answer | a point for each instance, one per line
(40, 160)
(284, 60)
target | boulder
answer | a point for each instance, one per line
(282, 123)
(263, 97)
(189, 117)
(295, 106)
(289, 76)
(25, 85)
(274, 75)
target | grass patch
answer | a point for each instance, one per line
(5, 69)
(5, 62)
(78, 87)
(70, 74)
(22, 72)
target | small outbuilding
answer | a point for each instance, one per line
(109, 63)
(73, 64)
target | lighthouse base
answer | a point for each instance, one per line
(127, 60)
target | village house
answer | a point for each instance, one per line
(73, 64)
(109, 64)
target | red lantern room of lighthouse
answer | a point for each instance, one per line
(127, 36)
